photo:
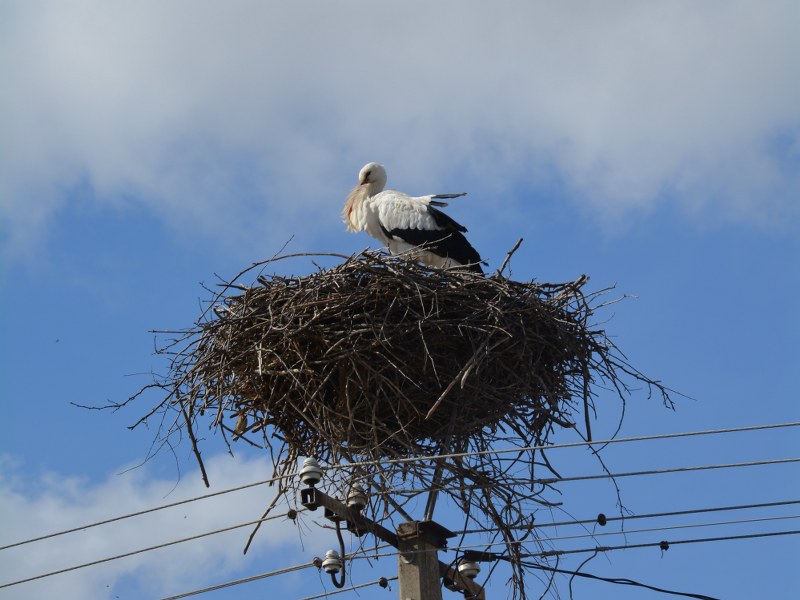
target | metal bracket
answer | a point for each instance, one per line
(431, 532)
(332, 516)
(308, 498)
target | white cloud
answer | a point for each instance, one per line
(54, 502)
(247, 114)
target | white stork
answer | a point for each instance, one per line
(402, 222)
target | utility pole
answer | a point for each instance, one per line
(418, 561)
(418, 542)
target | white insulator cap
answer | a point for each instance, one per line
(311, 473)
(332, 562)
(469, 568)
(356, 497)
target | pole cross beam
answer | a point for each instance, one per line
(312, 499)
(426, 532)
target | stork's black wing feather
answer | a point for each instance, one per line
(445, 222)
(443, 242)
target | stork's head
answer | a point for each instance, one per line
(373, 177)
(371, 180)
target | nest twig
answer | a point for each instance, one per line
(379, 358)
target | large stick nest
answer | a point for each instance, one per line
(378, 355)
(379, 358)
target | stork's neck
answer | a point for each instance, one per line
(351, 214)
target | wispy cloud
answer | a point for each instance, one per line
(248, 114)
(54, 502)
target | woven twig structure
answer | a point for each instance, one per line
(378, 360)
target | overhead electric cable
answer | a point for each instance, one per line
(552, 480)
(673, 513)
(529, 541)
(626, 532)
(235, 582)
(139, 513)
(404, 460)
(228, 584)
(664, 544)
(617, 581)
(141, 550)
(754, 463)
(381, 582)
(670, 528)
(644, 438)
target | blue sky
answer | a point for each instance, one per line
(148, 146)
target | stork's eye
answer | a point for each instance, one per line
(366, 175)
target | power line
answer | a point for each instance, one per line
(400, 461)
(661, 436)
(143, 550)
(663, 544)
(550, 553)
(142, 512)
(252, 578)
(755, 463)
(672, 527)
(545, 554)
(565, 523)
(532, 540)
(551, 480)
(630, 531)
(673, 513)
(241, 581)
(615, 580)
(383, 582)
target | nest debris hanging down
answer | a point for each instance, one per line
(380, 358)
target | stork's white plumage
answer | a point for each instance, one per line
(402, 222)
